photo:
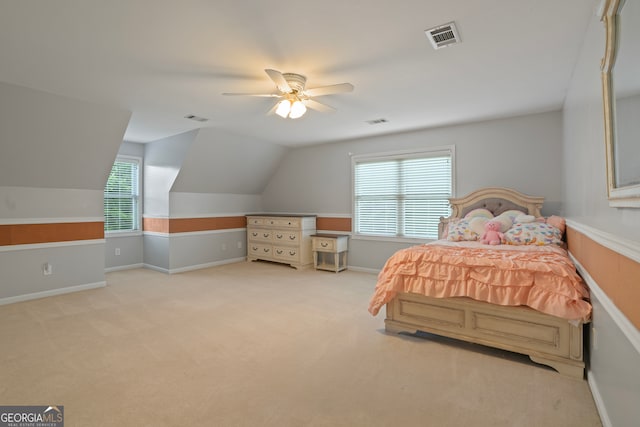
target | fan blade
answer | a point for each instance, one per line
(328, 90)
(279, 80)
(315, 105)
(265, 95)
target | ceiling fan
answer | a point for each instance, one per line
(293, 97)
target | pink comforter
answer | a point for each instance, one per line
(541, 277)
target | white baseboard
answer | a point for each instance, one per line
(34, 246)
(363, 269)
(206, 265)
(156, 268)
(193, 267)
(52, 292)
(123, 267)
(597, 397)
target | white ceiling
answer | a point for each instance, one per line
(164, 59)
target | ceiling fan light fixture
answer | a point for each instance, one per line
(283, 109)
(297, 110)
(293, 98)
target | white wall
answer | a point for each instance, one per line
(614, 360)
(222, 175)
(55, 157)
(74, 267)
(584, 168)
(197, 205)
(74, 264)
(521, 152)
(162, 162)
(28, 204)
(200, 174)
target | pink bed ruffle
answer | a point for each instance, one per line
(541, 277)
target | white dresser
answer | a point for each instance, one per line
(281, 238)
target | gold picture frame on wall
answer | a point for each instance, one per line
(621, 97)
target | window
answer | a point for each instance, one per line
(122, 196)
(402, 195)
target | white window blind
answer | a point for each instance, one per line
(403, 195)
(121, 196)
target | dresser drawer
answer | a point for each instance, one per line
(280, 236)
(283, 222)
(286, 253)
(256, 221)
(260, 235)
(321, 244)
(260, 251)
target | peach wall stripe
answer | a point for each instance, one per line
(617, 275)
(334, 224)
(157, 225)
(185, 225)
(26, 234)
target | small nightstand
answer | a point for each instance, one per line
(329, 251)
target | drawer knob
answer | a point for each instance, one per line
(279, 236)
(292, 237)
(254, 234)
(279, 251)
(324, 244)
(265, 234)
(292, 253)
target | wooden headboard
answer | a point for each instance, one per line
(496, 200)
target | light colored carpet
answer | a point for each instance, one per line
(257, 344)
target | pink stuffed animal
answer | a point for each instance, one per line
(492, 234)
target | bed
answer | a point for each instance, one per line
(466, 290)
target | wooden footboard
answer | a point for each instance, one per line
(546, 339)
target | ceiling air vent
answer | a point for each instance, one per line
(196, 118)
(443, 35)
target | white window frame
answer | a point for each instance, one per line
(137, 231)
(401, 154)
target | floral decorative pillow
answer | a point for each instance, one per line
(459, 230)
(533, 233)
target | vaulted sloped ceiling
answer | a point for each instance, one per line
(163, 60)
(51, 141)
(222, 162)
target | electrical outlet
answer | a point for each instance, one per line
(47, 269)
(117, 251)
